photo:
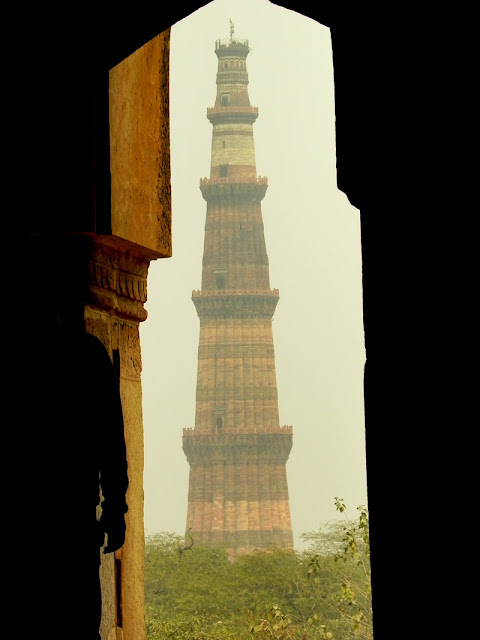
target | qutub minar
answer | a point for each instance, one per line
(238, 492)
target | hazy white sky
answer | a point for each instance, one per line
(313, 243)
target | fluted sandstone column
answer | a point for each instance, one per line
(237, 451)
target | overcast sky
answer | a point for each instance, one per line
(313, 242)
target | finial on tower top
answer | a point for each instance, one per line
(231, 32)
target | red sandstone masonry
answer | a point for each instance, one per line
(238, 491)
(242, 505)
(265, 499)
(218, 497)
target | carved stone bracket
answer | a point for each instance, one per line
(240, 392)
(118, 282)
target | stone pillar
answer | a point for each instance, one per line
(117, 294)
(140, 231)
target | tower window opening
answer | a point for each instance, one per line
(224, 144)
(223, 170)
(220, 282)
(225, 99)
(219, 422)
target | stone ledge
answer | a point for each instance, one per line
(235, 303)
(233, 447)
(233, 187)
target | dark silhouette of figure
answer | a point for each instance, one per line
(79, 452)
(111, 459)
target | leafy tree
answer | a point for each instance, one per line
(319, 594)
(354, 602)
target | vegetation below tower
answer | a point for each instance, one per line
(194, 592)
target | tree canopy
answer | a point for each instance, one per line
(195, 592)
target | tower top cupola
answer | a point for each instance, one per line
(234, 47)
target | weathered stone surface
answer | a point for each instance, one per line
(140, 148)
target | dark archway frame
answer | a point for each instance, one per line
(353, 51)
(77, 85)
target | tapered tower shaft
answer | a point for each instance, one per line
(238, 492)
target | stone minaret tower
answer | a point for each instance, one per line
(238, 493)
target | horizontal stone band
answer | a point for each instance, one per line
(239, 393)
(235, 305)
(231, 76)
(236, 351)
(232, 114)
(224, 189)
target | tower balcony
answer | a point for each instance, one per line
(236, 303)
(231, 47)
(242, 446)
(232, 113)
(223, 187)
(271, 293)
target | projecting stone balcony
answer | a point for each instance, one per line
(232, 445)
(235, 303)
(212, 188)
(259, 180)
(232, 113)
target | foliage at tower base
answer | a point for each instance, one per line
(194, 592)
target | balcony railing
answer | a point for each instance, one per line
(224, 42)
(231, 109)
(285, 430)
(196, 293)
(258, 180)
